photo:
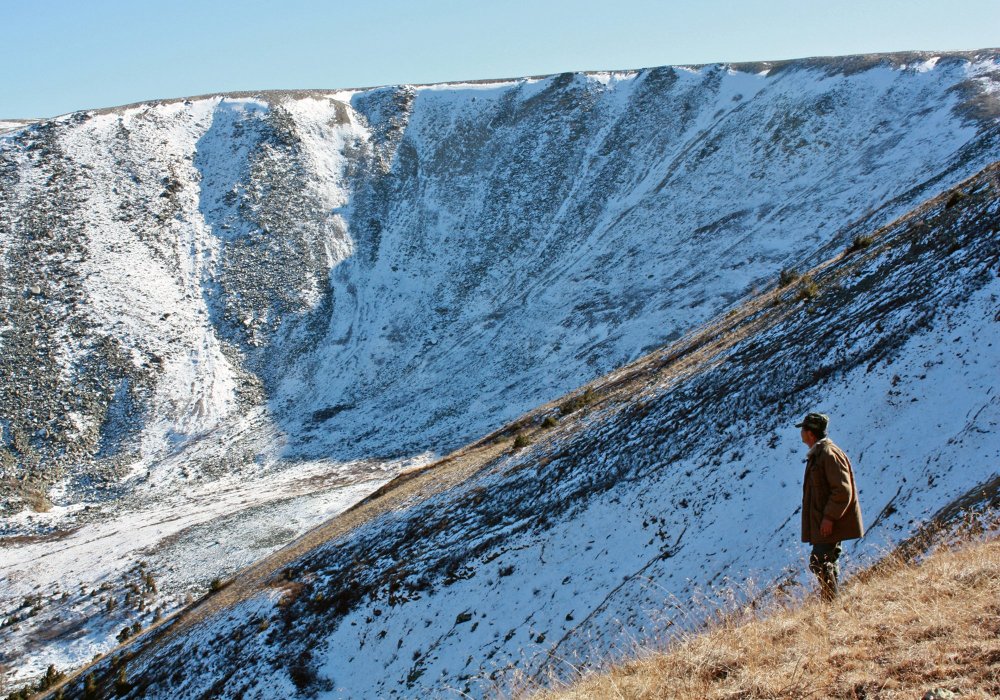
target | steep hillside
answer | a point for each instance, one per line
(870, 645)
(620, 505)
(224, 320)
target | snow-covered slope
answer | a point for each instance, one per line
(214, 308)
(13, 124)
(681, 473)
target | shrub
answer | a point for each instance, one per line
(122, 686)
(37, 499)
(90, 690)
(808, 289)
(549, 422)
(215, 585)
(577, 402)
(521, 441)
(302, 673)
(956, 197)
(788, 276)
(860, 242)
(52, 677)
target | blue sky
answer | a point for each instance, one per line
(59, 56)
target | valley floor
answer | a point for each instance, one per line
(899, 630)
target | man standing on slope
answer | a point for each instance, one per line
(830, 509)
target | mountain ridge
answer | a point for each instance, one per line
(893, 57)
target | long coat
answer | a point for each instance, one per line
(829, 490)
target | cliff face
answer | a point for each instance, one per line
(214, 309)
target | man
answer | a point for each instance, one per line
(830, 509)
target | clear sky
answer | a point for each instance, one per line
(58, 56)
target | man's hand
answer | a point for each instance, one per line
(826, 528)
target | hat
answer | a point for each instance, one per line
(815, 422)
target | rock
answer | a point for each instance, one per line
(940, 694)
(35, 289)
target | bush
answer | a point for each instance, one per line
(122, 686)
(788, 276)
(577, 402)
(216, 585)
(956, 197)
(521, 441)
(808, 289)
(860, 242)
(90, 690)
(52, 677)
(549, 422)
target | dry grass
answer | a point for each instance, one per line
(37, 499)
(897, 632)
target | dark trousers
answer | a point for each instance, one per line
(823, 563)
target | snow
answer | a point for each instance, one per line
(216, 530)
(462, 253)
(593, 582)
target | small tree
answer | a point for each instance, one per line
(52, 676)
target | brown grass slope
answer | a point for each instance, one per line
(899, 630)
(623, 390)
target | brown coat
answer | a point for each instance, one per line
(828, 490)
